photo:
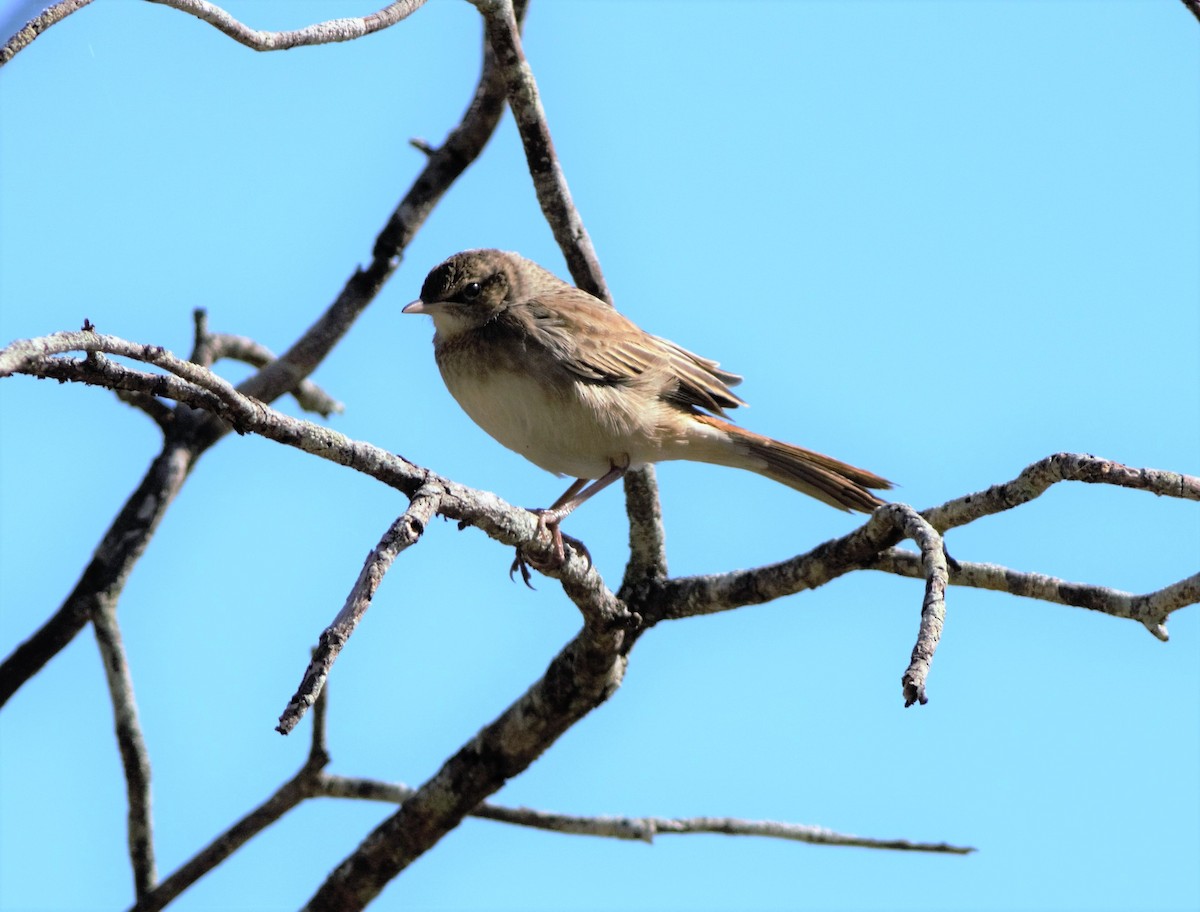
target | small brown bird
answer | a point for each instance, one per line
(562, 378)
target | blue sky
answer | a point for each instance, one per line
(941, 240)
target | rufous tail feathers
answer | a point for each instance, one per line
(836, 483)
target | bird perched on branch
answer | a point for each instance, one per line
(562, 378)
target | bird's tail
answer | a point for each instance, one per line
(836, 483)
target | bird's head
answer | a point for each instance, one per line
(471, 288)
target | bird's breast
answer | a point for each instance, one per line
(557, 422)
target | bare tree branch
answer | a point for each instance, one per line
(683, 597)
(105, 575)
(801, 833)
(209, 348)
(239, 409)
(125, 540)
(287, 796)
(402, 533)
(641, 829)
(328, 32)
(1151, 610)
(444, 165)
(503, 35)
(307, 394)
(589, 668)
(134, 758)
(647, 539)
(334, 30)
(933, 607)
(502, 32)
(30, 30)
(505, 523)
(1034, 480)
(666, 600)
(580, 678)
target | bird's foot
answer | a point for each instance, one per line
(558, 552)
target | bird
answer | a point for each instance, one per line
(565, 380)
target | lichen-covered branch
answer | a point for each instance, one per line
(503, 35)
(25, 36)
(135, 760)
(507, 524)
(590, 667)
(1036, 479)
(329, 32)
(933, 606)
(579, 679)
(647, 538)
(126, 539)
(401, 534)
(1150, 610)
(104, 577)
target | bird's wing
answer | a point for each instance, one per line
(597, 343)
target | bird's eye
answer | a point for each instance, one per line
(471, 291)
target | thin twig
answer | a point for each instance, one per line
(1037, 478)
(1151, 610)
(328, 32)
(403, 533)
(933, 605)
(292, 793)
(442, 168)
(668, 600)
(104, 577)
(126, 538)
(580, 678)
(640, 829)
(507, 524)
(97, 370)
(503, 34)
(239, 409)
(135, 760)
(307, 394)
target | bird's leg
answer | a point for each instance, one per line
(551, 517)
(572, 498)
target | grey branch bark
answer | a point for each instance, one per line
(591, 666)
(402, 534)
(25, 36)
(135, 759)
(503, 35)
(641, 829)
(126, 539)
(329, 32)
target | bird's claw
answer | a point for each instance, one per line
(558, 552)
(519, 563)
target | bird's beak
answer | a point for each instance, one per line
(416, 307)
